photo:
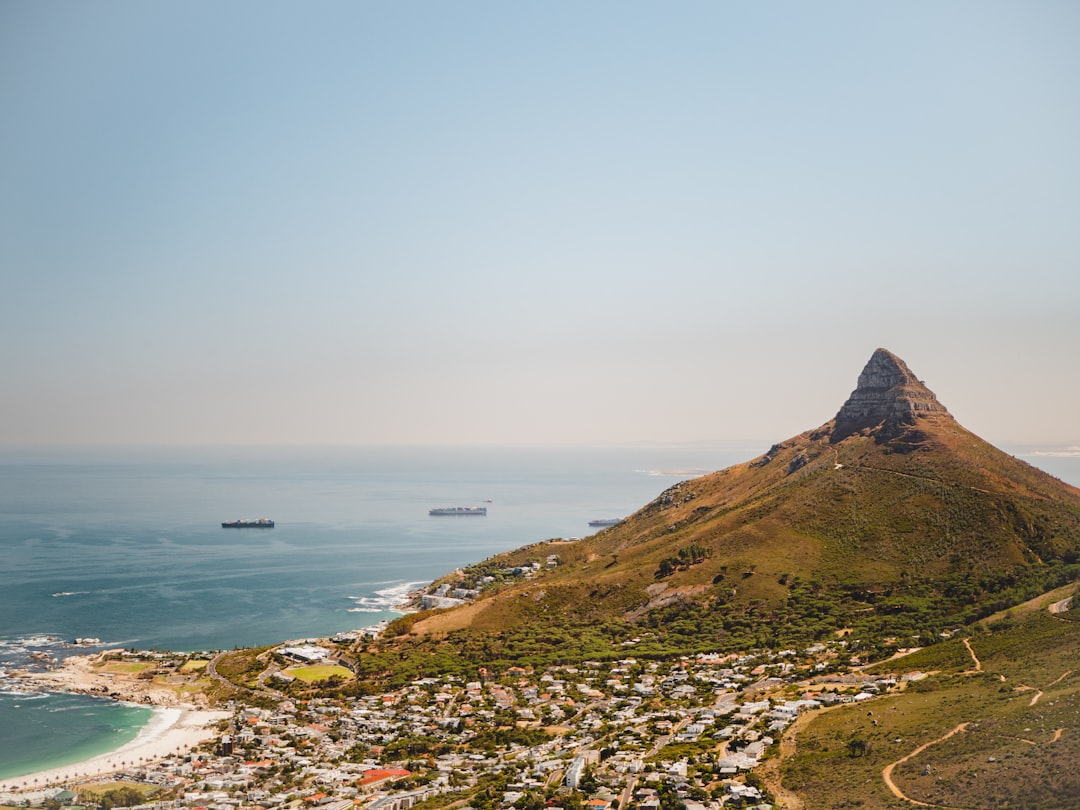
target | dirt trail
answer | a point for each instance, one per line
(1035, 698)
(886, 774)
(975, 658)
(1057, 734)
(1059, 679)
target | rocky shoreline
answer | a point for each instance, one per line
(77, 674)
(180, 722)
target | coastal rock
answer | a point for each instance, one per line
(78, 674)
(887, 400)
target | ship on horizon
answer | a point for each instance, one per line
(257, 523)
(458, 510)
(605, 521)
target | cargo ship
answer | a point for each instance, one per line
(257, 523)
(459, 510)
(605, 522)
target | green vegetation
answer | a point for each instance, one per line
(1010, 753)
(894, 543)
(242, 667)
(691, 751)
(505, 737)
(126, 794)
(687, 556)
(127, 667)
(320, 672)
(886, 542)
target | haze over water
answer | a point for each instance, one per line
(127, 546)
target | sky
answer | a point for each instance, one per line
(532, 223)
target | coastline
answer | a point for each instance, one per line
(176, 726)
(77, 674)
(170, 731)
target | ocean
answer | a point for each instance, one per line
(126, 546)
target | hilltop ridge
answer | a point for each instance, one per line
(682, 642)
(890, 519)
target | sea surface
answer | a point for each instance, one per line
(126, 546)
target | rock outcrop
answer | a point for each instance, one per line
(887, 401)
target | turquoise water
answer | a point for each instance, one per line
(127, 547)
(50, 730)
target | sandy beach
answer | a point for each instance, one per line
(171, 730)
(176, 726)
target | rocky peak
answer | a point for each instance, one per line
(888, 399)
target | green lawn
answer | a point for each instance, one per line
(319, 672)
(127, 667)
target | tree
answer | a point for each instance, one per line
(858, 747)
(669, 799)
(587, 783)
(530, 801)
(121, 797)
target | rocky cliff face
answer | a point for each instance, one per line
(887, 400)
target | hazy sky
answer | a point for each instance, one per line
(557, 222)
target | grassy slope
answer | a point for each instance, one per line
(936, 523)
(1015, 751)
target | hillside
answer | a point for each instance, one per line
(994, 726)
(890, 521)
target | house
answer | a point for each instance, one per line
(305, 653)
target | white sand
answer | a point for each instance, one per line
(171, 729)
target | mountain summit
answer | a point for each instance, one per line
(888, 400)
(891, 520)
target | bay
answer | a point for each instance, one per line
(126, 546)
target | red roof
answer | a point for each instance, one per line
(378, 774)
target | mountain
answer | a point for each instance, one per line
(890, 520)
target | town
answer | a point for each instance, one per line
(628, 734)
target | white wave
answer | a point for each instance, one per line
(23, 642)
(387, 599)
(402, 589)
(24, 695)
(71, 593)
(127, 643)
(21, 647)
(373, 604)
